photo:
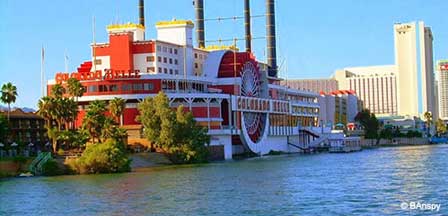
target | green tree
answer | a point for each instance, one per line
(386, 133)
(94, 120)
(428, 121)
(441, 127)
(75, 89)
(45, 105)
(175, 132)
(57, 91)
(369, 122)
(9, 95)
(107, 157)
(3, 128)
(116, 108)
(150, 120)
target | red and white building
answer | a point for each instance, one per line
(229, 92)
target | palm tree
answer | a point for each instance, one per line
(428, 119)
(75, 88)
(116, 108)
(94, 119)
(45, 105)
(9, 95)
(57, 91)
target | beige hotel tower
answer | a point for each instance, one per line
(413, 51)
(406, 88)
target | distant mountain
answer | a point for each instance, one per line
(27, 109)
(24, 109)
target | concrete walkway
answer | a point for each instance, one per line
(148, 159)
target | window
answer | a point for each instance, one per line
(175, 51)
(113, 88)
(103, 88)
(149, 58)
(164, 49)
(171, 50)
(160, 70)
(176, 62)
(137, 87)
(98, 61)
(159, 59)
(148, 86)
(165, 60)
(196, 55)
(150, 69)
(171, 61)
(93, 88)
(159, 48)
(195, 65)
(165, 70)
(176, 71)
(126, 87)
(171, 71)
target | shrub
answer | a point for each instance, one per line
(51, 168)
(61, 152)
(20, 160)
(107, 157)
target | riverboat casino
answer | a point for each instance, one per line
(237, 97)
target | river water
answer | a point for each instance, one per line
(371, 182)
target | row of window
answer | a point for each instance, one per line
(200, 56)
(168, 71)
(166, 49)
(167, 60)
(124, 87)
(162, 70)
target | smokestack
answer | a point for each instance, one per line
(270, 34)
(141, 12)
(199, 11)
(247, 25)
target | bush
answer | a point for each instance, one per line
(20, 160)
(107, 157)
(51, 168)
(61, 152)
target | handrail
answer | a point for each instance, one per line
(36, 160)
(36, 165)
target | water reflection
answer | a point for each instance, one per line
(370, 182)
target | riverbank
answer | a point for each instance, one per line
(14, 166)
(374, 143)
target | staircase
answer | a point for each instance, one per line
(317, 142)
(36, 165)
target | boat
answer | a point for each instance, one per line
(339, 143)
(27, 174)
(235, 95)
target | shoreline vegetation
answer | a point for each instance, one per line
(103, 141)
(98, 144)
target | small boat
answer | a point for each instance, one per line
(27, 174)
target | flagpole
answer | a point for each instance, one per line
(42, 72)
(66, 61)
(94, 44)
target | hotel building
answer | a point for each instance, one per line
(442, 75)
(376, 86)
(408, 38)
(394, 89)
(315, 85)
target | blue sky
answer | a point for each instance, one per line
(314, 37)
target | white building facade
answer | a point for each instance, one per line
(442, 75)
(376, 86)
(314, 85)
(412, 64)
